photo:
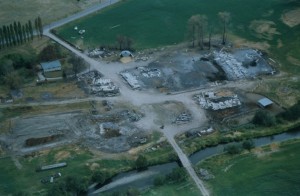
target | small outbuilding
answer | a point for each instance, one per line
(51, 66)
(126, 53)
(264, 102)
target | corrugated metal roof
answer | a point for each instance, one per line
(265, 102)
(51, 66)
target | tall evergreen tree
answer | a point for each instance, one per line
(24, 33)
(30, 29)
(27, 32)
(36, 26)
(20, 32)
(1, 39)
(40, 26)
(5, 35)
(16, 32)
(12, 34)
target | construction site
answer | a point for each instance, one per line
(182, 70)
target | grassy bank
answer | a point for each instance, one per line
(191, 145)
(263, 171)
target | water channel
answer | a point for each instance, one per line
(144, 179)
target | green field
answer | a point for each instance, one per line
(154, 23)
(271, 170)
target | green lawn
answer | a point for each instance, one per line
(26, 179)
(153, 23)
(178, 189)
(275, 172)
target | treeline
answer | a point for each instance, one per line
(16, 33)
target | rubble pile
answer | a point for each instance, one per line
(210, 100)
(205, 175)
(149, 73)
(97, 85)
(232, 67)
(197, 132)
(183, 118)
(131, 80)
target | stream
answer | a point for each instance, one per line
(144, 179)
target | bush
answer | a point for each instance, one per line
(141, 162)
(248, 144)
(292, 113)
(177, 175)
(264, 118)
(233, 149)
(99, 177)
(159, 180)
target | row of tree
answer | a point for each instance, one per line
(198, 25)
(17, 33)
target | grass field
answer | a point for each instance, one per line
(81, 163)
(154, 23)
(49, 11)
(271, 170)
(178, 189)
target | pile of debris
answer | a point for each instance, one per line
(210, 100)
(183, 118)
(149, 73)
(232, 67)
(96, 53)
(197, 132)
(99, 86)
(205, 175)
(131, 80)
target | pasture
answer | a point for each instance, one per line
(270, 170)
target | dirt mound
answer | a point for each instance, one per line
(62, 155)
(263, 29)
(41, 140)
(291, 18)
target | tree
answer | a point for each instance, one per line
(50, 52)
(30, 29)
(20, 34)
(224, 18)
(99, 177)
(78, 64)
(232, 149)
(159, 180)
(193, 24)
(248, 144)
(201, 28)
(40, 26)
(13, 80)
(177, 175)
(264, 118)
(141, 162)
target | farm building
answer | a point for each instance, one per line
(126, 53)
(51, 66)
(265, 102)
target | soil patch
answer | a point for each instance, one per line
(61, 155)
(291, 18)
(264, 29)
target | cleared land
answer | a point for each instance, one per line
(49, 11)
(264, 171)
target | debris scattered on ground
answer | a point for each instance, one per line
(199, 132)
(97, 85)
(131, 80)
(183, 118)
(217, 101)
(205, 175)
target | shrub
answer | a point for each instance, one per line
(233, 149)
(264, 118)
(141, 162)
